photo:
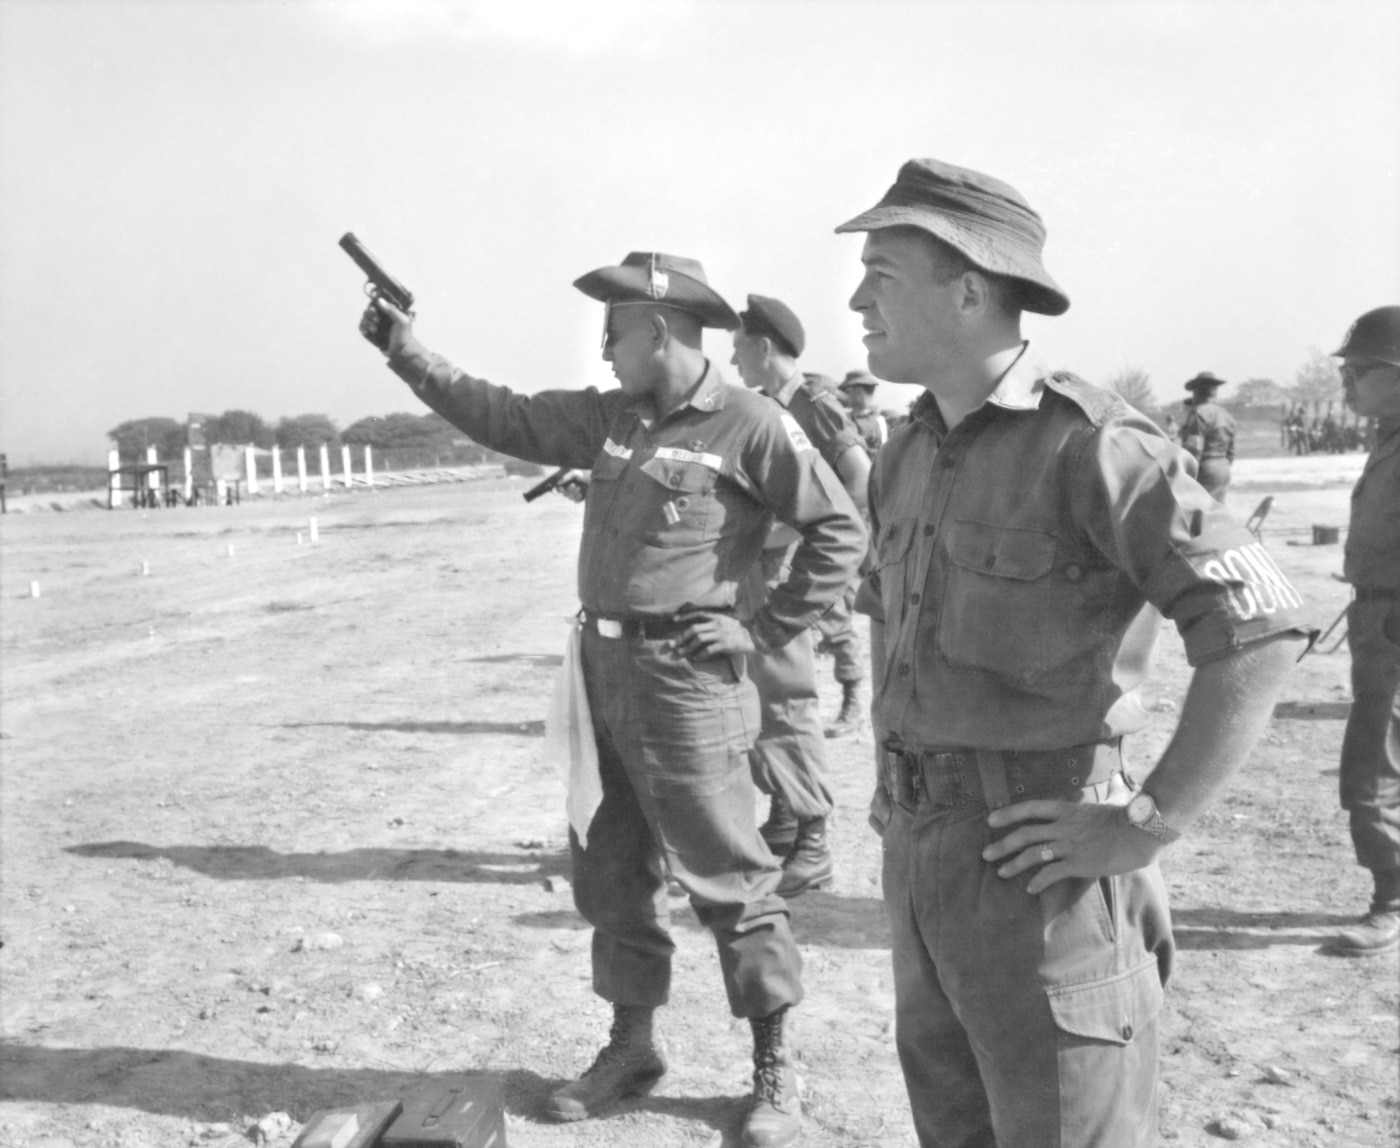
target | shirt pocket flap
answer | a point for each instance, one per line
(893, 542)
(1114, 1009)
(1003, 551)
(682, 477)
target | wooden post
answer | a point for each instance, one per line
(277, 487)
(325, 468)
(189, 475)
(301, 469)
(369, 467)
(153, 476)
(250, 466)
(114, 479)
(345, 465)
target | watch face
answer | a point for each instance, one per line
(1141, 808)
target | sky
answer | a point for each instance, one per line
(1220, 182)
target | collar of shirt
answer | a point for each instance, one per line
(1019, 389)
(1387, 429)
(788, 389)
(707, 395)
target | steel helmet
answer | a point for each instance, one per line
(1376, 335)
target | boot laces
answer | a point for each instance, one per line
(767, 1071)
(616, 1049)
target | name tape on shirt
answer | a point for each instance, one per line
(1257, 586)
(796, 435)
(675, 454)
(617, 451)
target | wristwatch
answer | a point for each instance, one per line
(1142, 813)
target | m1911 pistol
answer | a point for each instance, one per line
(381, 284)
(544, 486)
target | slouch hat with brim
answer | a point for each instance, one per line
(666, 280)
(985, 219)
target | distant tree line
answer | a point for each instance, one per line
(399, 439)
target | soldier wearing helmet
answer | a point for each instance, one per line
(1370, 766)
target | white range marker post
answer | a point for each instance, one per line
(312, 532)
(369, 467)
(34, 589)
(189, 474)
(220, 490)
(114, 490)
(250, 466)
(301, 469)
(277, 486)
(153, 477)
(346, 476)
(325, 468)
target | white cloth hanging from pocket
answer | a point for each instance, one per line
(568, 740)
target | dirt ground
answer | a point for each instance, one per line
(276, 837)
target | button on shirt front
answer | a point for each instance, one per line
(1023, 561)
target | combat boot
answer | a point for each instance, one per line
(852, 715)
(809, 865)
(630, 1064)
(780, 830)
(1375, 934)
(775, 1118)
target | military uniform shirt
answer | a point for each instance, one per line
(1019, 558)
(1215, 426)
(819, 413)
(1372, 556)
(678, 508)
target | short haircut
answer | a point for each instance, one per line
(949, 263)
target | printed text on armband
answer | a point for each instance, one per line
(1257, 586)
(617, 451)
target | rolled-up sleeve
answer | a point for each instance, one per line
(555, 428)
(1186, 554)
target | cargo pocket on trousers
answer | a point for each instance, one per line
(1114, 1009)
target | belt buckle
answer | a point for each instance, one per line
(608, 627)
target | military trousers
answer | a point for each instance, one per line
(1370, 765)
(840, 639)
(789, 757)
(1214, 475)
(1021, 1021)
(673, 739)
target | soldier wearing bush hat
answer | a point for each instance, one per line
(1208, 434)
(1022, 522)
(1370, 765)
(874, 428)
(687, 474)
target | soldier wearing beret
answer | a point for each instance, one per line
(1208, 434)
(687, 474)
(1028, 529)
(859, 388)
(790, 757)
(1370, 766)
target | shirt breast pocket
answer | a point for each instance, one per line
(677, 502)
(889, 568)
(1001, 606)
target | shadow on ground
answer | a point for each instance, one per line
(1232, 929)
(211, 1089)
(1313, 711)
(259, 863)
(461, 728)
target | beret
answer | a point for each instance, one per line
(774, 318)
(667, 280)
(985, 219)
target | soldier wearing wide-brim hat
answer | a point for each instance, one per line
(687, 473)
(873, 426)
(1022, 520)
(1208, 434)
(1369, 775)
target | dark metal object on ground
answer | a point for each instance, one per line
(452, 1112)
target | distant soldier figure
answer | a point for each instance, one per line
(1370, 766)
(1209, 434)
(859, 387)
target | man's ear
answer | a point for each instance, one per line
(660, 330)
